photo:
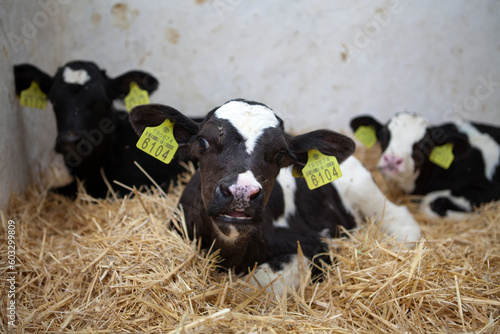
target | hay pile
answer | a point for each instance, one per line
(106, 266)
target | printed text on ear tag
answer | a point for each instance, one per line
(442, 155)
(33, 97)
(159, 141)
(136, 96)
(320, 169)
(366, 135)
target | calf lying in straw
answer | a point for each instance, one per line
(245, 202)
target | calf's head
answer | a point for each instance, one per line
(407, 141)
(241, 147)
(82, 96)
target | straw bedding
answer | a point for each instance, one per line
(120, 265)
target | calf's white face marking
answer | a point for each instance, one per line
(248, 179)
(250, 120)
(78, 77)
(406, 129)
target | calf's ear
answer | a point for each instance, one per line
(365, 120)
(151, 115)
(25, 74)
(447, 133)
(326, 141)
(119, 87)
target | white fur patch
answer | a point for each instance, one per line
(406, 129)
(461, 202)
(78, 77)
(249, 120)
(362, 197)
(248, 179)
(227, 238)
(289, 276)
(288, 185)
(233, 234)
(483, 142)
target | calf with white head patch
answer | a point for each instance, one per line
(455, 165)
(91, 134)
(244, 201)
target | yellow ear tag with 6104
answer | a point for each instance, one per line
(320, 169)
(33, 97)
(136, 96)
(159, 141)
(366, 135)
(442, 155)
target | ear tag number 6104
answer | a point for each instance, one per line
(159, 141)
(320, 169)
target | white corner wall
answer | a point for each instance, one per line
(317, 63)
(14, 172)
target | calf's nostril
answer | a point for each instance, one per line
(225, 191)
(254, 194)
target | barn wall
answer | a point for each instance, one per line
(14, 175)
(317, 63)
(26, 135)
(14, 171)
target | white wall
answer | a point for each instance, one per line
(317, 63)
(14, 173)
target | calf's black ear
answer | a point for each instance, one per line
(119, 87)
(365, 120)
(447, 133)
(326, 141)
(461, 146)
(25, 74)
(151, 115)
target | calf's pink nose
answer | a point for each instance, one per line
(391, 162)
(244, 192)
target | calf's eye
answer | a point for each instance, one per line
(280, 157)
(203, 143)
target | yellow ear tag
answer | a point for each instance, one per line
(159, 141)
(320, 169)
(442, 155)
(366, 135)
(33, 97)
(136, 96)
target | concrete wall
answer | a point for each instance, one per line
(317, 63)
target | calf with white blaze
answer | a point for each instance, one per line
(411, 146)
(244, 201)
(91, 134)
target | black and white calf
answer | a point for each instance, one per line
(407, 142)
(91, 133)
(244, 200)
